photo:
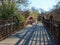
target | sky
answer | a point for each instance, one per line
(44, 4)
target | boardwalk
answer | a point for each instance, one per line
(33, 35)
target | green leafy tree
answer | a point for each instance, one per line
(8, 9)
(34, 12)
(21, 18)
(26, 13)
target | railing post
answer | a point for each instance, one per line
(58, 34)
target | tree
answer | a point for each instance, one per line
(8, 9)
(34, 12)
(57, 8)
(21, 18)
(26, 13)
(22, 2)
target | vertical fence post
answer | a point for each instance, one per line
(58, 34)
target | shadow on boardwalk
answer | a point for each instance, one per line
(36, 35)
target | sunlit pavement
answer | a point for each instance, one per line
(31, 35)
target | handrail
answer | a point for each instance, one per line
(54, 30)
(7, 24)
(51, 23)
(8, 28)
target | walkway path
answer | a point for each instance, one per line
(33, 35)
